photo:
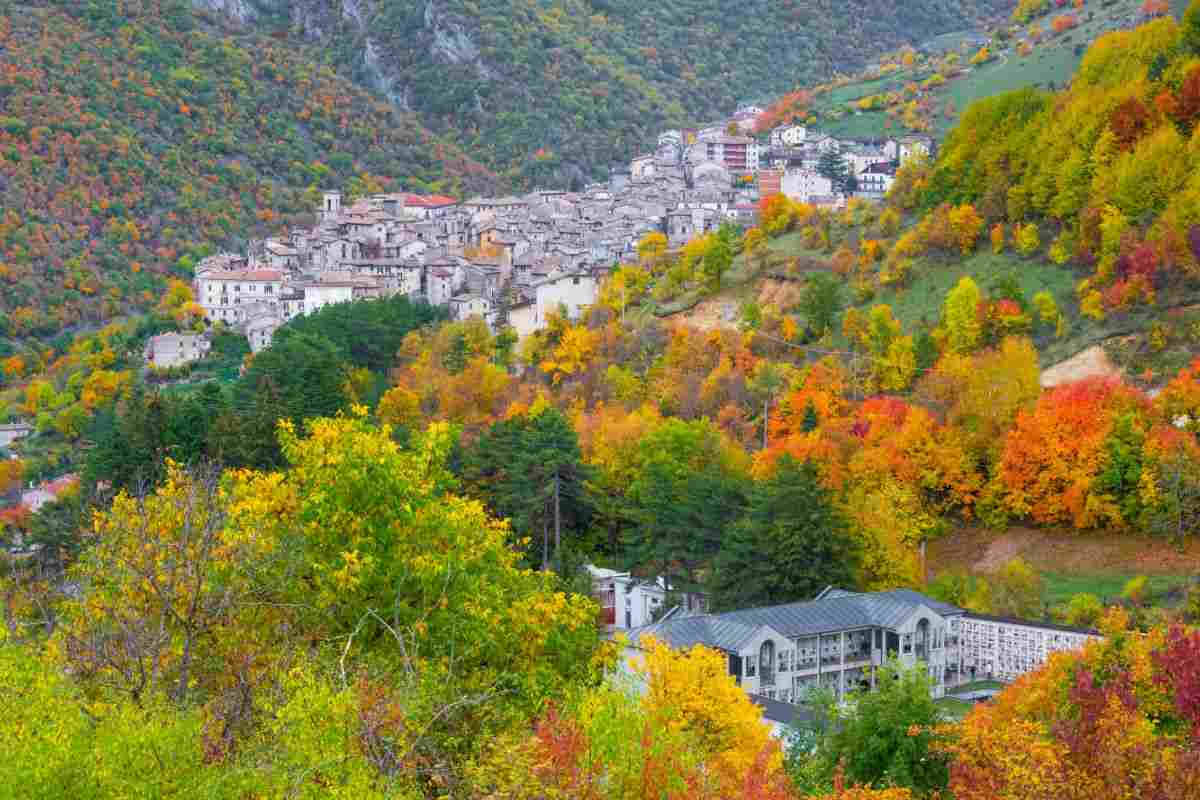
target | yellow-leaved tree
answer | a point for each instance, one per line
(694, 691)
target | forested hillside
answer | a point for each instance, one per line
(133, 139)
(558, 90)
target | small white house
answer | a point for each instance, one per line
(627, 602)
(571, 291)
(789, 135)
(465, 306)
(801, 185)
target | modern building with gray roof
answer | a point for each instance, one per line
(838, 639)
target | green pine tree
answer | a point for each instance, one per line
(791, 542)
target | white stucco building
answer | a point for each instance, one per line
(627, 602)
(790, 135)
(570, 291)
(801, 185)
(226, 295)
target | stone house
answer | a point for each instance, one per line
(465, 306)
(167, 350)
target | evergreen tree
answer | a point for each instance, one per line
(368, 333)
(684, 500)
(821, 303)
(530, 470)
(832, 166)
(790, 543)
(810, 421)
(926, 350)
(306, 371)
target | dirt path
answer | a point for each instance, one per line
(1090, 363)
(1063, 551)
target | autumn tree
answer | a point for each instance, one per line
(966, 224)
(1109, 721)
(961, 316)
(163, 585)
(1018, 591)
(1055, 451)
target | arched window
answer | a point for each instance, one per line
(766, 663)
(922, 649)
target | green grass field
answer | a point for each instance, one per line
(1060, 587)
(920, 303)
(1050, 65)
(952, 708)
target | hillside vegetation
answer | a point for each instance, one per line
(133, 139)
(558, 90)
(927, 88)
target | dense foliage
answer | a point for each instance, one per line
(1106, 166)
(133, 140)
(1118, 720)
(316, 366)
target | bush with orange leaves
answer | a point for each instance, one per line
(1118, 720)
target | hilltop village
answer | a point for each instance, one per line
(512, 260)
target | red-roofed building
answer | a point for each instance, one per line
(429, 206)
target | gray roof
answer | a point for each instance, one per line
(837, 610)
(783, 713)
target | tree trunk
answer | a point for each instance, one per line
(766, 419)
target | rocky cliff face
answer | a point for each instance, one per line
(555, 91)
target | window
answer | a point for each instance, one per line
(748, 666)
(907, 642)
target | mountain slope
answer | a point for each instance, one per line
(133, 138)
(556, 89)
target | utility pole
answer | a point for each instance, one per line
(557, 522)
